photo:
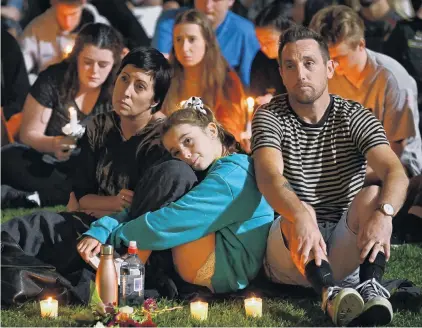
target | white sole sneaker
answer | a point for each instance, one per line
(346, 306)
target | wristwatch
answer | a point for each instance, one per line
(387, 209)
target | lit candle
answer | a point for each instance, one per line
(49, 308)
(67, 50)
(253, 307)
(125, 312)
(73, 114)
(199, 310)
(251, 103)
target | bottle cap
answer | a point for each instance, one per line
(106, 249)
(132, 247)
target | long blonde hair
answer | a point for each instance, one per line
(215, 67)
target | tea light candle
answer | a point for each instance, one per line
(49, 308)
(199, 310)
(125, 312)
(253, 307)
(73, 119)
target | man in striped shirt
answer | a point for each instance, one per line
(311, 150)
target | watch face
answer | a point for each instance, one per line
(388, 209)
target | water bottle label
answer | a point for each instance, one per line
(137, 284)
(134, 272)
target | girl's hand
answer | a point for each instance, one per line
(88, 247)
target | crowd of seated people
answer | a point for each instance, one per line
(335, 150)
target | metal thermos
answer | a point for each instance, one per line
(106, 277)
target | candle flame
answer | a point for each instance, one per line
(68, 49)
(250, 101)
(49, 300)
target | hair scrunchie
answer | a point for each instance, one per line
(195, 103)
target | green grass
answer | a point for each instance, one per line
(405, 262)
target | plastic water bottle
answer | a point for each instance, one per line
(132, 278)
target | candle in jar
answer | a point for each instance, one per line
(49, 308)
(199, 310)
(253, 307)
(73, 114)
(125, 312)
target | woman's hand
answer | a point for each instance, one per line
(123, 199)
(88, 247)
(62, 147)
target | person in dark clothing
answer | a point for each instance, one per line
(14, 80)
(120, 16)
(405, 46)
(265, 77)
(122, 153)
(84, 82)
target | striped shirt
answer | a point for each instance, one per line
(324, 162)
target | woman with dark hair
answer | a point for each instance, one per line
(122, 165)
(217, 231)
(270, 23)
(41, 166)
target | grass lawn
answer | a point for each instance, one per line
(405, 262)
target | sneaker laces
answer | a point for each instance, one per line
(372, 288)
(331, 294)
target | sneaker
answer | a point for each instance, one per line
(377, 310)
(13, 198)
(342, 304)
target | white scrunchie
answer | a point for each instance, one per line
(195, 103)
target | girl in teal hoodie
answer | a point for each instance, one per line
(218, 230)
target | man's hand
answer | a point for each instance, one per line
(307, 243)
(88, 247)
(375, 234)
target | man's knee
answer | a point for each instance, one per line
(363, 206)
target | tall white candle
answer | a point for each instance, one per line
(73, 114)
(49, 308)
(251, 103)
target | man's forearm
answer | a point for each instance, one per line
(282, 198)
(394, 189)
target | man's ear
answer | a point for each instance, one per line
(362, 44)
(331, 66)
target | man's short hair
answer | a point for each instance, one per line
(337, 24)
(297, 33)
(71, 2)
(277, 15)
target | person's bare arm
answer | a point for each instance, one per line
(378, 229)
(274, 186)
(109, 204)
(280, 195)
(32, 133)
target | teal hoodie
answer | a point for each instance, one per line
(227, 202)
